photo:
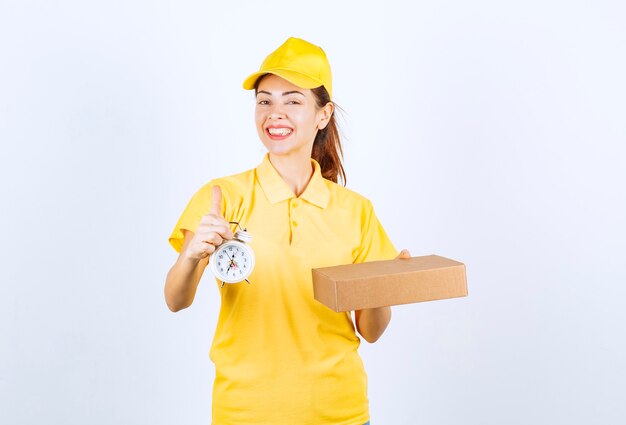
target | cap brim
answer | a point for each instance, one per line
(293, 77)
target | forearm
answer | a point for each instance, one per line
(182, 282)
(372, 322)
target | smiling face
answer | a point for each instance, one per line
(287, 117)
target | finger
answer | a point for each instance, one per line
(216, 204)
(208, 249)
(223, 231)
(210, 219)
(404, 254)
(203, 248)
(212, 238)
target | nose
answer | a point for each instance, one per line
(274, 116)
(275, 113)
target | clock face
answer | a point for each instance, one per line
(232, 262)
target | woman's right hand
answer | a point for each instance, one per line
(212, 230)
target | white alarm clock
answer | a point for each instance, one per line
(233, 260)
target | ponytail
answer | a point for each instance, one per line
(327, 149)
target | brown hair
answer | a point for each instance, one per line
(327, 149)
(327, 145)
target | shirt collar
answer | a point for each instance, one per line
(277, 190)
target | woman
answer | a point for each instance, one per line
(280, 356)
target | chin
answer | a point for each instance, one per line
(279, 148)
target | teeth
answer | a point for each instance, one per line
(279, 131)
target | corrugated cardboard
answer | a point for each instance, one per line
(391, 282)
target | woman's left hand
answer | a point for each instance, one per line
(404, 254)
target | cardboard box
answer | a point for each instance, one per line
(391, 282)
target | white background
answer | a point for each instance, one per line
(489, 132)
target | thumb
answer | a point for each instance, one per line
(404, 254)
(216, 204)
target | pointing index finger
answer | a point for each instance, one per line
(216, 204)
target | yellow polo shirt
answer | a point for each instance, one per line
(281, 357)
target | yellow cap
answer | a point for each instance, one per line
(299, 62)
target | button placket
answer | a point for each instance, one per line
(293, 216)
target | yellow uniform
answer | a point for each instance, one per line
(280, 356)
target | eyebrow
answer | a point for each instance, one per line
(285, 93)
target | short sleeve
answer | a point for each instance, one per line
(375, 244)
(198, 205)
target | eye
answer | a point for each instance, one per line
(293, 102)
(263, 102)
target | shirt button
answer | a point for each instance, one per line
(295, 223)
(295, 204)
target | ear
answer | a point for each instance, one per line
(325, 114)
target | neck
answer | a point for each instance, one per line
(295, 171)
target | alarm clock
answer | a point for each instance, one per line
(233, 260)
